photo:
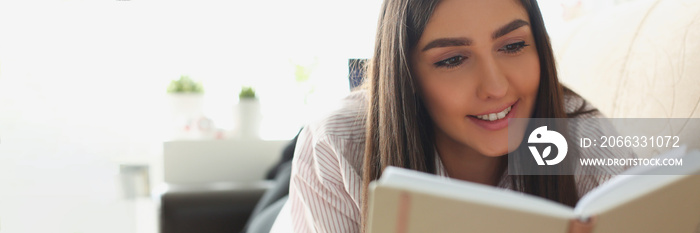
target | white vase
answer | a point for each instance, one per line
(186, 105)
(248, 118)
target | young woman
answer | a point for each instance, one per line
(445, 78)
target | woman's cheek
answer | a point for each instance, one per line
(525, 74)
(442, 101)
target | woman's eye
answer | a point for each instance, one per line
(450, 62)
(514, 47)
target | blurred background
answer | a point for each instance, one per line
(91, 90)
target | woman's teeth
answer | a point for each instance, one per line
(495, 116)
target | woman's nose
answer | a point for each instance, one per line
(493, 82)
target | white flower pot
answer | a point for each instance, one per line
(186, 105)
(248, 118)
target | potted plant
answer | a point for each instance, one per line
(186, 97)
(247, 113)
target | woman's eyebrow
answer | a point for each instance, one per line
(448, 42)
(463, 41)
(515, 24)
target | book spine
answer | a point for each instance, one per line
(404, 211)
(581, 226)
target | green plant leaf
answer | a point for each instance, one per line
(246, 93)
(185, 85)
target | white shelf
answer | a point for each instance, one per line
(208, 161)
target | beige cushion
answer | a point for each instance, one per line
(640, 60)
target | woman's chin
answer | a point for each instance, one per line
(498, 149)
(494, 152)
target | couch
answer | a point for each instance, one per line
(638, 60)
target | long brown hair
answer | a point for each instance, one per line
(399, 130)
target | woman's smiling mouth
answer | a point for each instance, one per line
(495, 116)
(495, 120)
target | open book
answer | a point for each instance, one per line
(409, 201)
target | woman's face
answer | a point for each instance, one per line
(477, 66)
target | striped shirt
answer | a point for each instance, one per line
(325, 186)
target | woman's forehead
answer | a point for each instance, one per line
(472, 18)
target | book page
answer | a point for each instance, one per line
(634, 183)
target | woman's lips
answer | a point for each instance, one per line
(496, 110)
(496, 124)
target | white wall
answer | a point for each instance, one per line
(87, 78)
